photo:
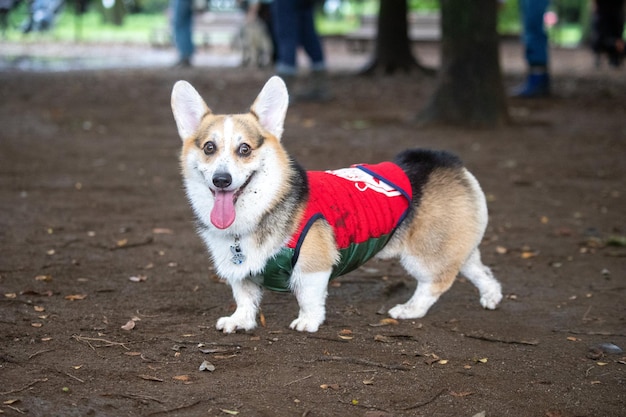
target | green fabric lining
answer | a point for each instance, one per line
(277, 273)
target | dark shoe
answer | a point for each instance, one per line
(536, 85)
(183, 63)
(317, 90)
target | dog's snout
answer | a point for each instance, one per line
(222, 179)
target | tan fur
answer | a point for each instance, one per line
(444, 230)
(319, 251)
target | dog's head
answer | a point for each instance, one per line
(230, 161)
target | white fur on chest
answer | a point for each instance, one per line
(221, 247)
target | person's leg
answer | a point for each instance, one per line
(535, 41)
(182, 23)
(286, 33)
(317, 87)
(535, 37)
(308, 36)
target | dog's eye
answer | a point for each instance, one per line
(209, 148)
(244, 149)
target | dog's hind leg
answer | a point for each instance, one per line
(311, 290)
(431, 283)
(247, 295)
(482, 277)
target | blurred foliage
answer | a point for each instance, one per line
(336, 17)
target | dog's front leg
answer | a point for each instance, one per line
(247, 295)
(311, 290)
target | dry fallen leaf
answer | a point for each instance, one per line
(231, 412)
(206, 366)
(162, 231)
(383, 339)
(130, 325)
(150, 378)
(461, 394)
(386, 322)
(331, 386)
(262, 319)
(345, 334)
(183, 378)
(46, 278)
(75, 297)
(39, 309)
(138, 278)
(36, 325)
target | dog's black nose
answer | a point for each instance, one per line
(222, 179)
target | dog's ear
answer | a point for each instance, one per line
(270, 107)
(188, 108)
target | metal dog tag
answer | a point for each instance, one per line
(238, 257)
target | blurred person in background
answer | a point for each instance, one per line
(182, 27)
(294, 26)
(607, 31)
(535, 40)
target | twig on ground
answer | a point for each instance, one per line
(134, 397)
(39, 352)
(426, 402)
(533, 342)
(13, 391)
(359, 361)
(298, 380)
(108, 343)
(70, 375)
(329, 339)
(182, 407)
(588, 333)
(16, 409)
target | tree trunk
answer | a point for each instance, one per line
(393, 47)
(469, 88)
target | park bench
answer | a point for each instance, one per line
(423, 27)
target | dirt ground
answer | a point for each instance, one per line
(95, 232)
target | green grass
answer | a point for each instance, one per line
(91, 27)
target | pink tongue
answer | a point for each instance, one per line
(223, 213)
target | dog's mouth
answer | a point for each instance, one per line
(223, 213)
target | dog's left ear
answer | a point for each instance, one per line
(188, 108)
(270, 107)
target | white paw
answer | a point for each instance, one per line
(491, 299)
(407, 311)
(306, 324)
(232, 323)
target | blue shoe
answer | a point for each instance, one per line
(536, 85)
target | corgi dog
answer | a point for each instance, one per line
(269, 223)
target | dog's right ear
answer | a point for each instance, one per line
(188, 108)
(270, 107)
